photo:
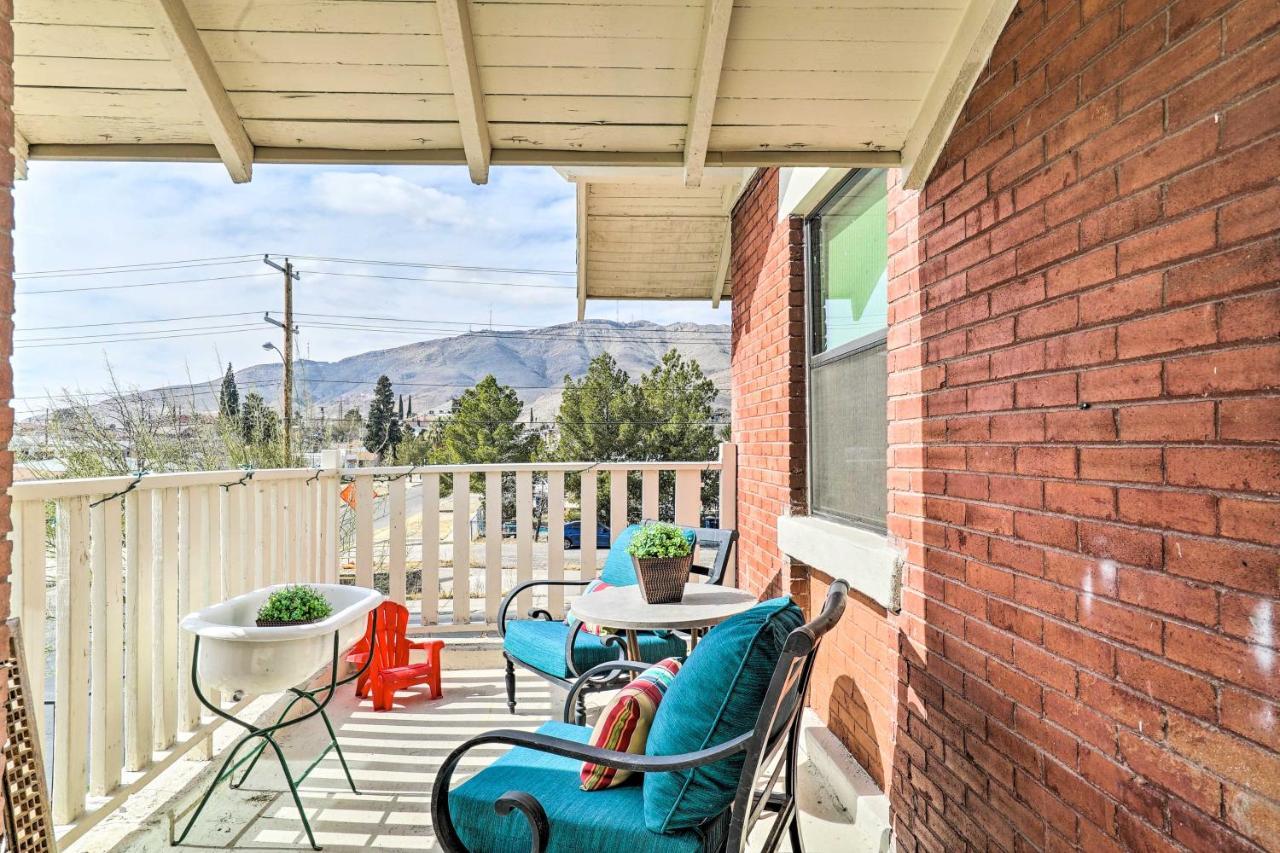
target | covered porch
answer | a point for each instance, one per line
(1063, 632)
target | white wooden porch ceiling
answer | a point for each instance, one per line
(685, 83)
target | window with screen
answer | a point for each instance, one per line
(848, 252)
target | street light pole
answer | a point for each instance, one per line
(290, 276)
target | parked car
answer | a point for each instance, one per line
(573, 535)
(509, 531)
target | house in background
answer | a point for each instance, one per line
(1005, 284)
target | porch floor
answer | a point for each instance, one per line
(394, 757)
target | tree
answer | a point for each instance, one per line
(485, 427)
(229, 395)
(259, 424)
(382, 428)
(601, 416)
(678, 399)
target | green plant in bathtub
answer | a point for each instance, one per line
(293, 605)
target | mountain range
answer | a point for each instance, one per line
(433, 372)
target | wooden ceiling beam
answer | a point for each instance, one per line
(581, 189)
(964, 60)
(460, 51)
(702, 107)
(20, 153)
(200, 78)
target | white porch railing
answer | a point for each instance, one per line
(104, 568)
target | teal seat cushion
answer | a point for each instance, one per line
(716, 697)
(540, 644)
(618, 569)
(581, 821)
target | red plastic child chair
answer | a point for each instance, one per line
(393, 622)
(391, 670)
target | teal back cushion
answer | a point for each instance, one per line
(618, 569)
(716, 697)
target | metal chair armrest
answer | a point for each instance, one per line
(511, 596)
(442, 820)
(593, 677)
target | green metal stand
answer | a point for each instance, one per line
(267, 735)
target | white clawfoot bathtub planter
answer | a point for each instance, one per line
(237, 655)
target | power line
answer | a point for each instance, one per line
(147, 266)
(423, 265)
(251, 328)
(141, 284)
(564, 287)
(137, 322)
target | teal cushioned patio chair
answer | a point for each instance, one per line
(744, 772)
(542, 644)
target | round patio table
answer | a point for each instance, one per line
(624, 608)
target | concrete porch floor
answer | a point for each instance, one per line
(394, 757)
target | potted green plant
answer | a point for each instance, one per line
(293, 605)
(662, 555)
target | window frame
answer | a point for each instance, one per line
(812, 359)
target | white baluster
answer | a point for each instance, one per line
(492, 544)
(555, 540)
(71, 687)
(461, 548)
(588, 528)
(617, 504)
(649, 495)
(524, 536)
(139, 630)
(106, 622)
(688, 497)
(396, 540)
(430, 549)
(364, 530)
(164, 536)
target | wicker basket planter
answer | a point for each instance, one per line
(283, 623)
(662, 579)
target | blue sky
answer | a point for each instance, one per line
(96, 215)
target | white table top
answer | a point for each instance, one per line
(624, 607)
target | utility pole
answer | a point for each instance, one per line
(290, 276)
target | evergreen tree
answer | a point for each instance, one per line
(259, 424)
(678, 400)
(601, 416)
(382, 428)
(485, 427)
(229, 395)
(401, 411)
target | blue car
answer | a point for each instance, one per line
(573, 535)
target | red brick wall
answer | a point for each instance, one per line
(1085, 410)
(767, 368)
(854, 679)
(1085, 312)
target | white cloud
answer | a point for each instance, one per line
(83, 215)
(373, 194)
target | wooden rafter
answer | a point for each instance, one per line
(581, 191)
(459, 49)
(200, 77)
(981, 25)
(722, 265)
(702, 108)
(20, 153)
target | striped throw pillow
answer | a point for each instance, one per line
(587, 628)
(624, 723)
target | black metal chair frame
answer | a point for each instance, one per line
(773, 743)
(725, 542)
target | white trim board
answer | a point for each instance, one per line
(845, 552)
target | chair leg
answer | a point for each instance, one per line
(511, 685)
(797, 844)
(434, 656)
(580, 708)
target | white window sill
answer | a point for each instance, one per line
(844, 552)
